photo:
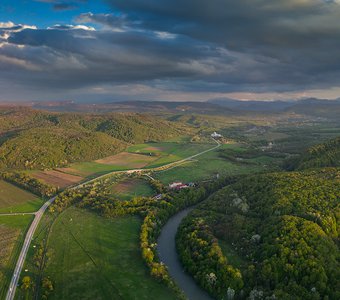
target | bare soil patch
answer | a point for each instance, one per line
(57, 178)
(125, 186)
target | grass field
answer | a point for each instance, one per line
(14, 199)
(168, 152)
(131, 187)
(99, 258)
(12, 234)
(206, 167)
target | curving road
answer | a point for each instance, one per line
(41, 211)
(24, 250)
(166, 247)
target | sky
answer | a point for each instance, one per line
(173, 50)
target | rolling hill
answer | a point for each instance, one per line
(32, 139)
(322, 155)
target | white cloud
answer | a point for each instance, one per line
(6, 24)
(72, 27)
(165, 35)
(6, 28)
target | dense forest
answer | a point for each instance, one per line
(281, 232)
(34, 139)
(322, 155)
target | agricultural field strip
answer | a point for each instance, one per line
(41, 211)
(18, 214)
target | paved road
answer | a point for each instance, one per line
(24, 250)
(41, 211)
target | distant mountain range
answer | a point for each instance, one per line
(311, 106)
(137, 106)
(276, 105)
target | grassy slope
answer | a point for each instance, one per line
(99, 258)
(14, 199)
(20, 224)
(174, 152)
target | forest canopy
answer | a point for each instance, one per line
(283, 227)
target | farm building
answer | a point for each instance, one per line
(177, 186)
(216, 135)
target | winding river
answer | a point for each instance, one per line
(168, 255)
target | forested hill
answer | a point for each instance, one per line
(35, 139)
(321, 155)
(281, 232)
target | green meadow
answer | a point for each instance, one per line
(97, 258)
(14, 199)
(206, 167)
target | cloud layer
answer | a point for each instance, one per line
(217, 46)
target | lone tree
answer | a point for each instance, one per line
(26, 283)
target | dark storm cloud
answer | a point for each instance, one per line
(77, 57)
(246, 25)
(302, 37)
(187, 45)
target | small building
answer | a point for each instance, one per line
(216, 135)
(177, 186)
(158, 197)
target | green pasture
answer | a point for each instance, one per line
(98, 258)
(14, 199)
(206, 167)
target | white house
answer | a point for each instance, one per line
(216, 135)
